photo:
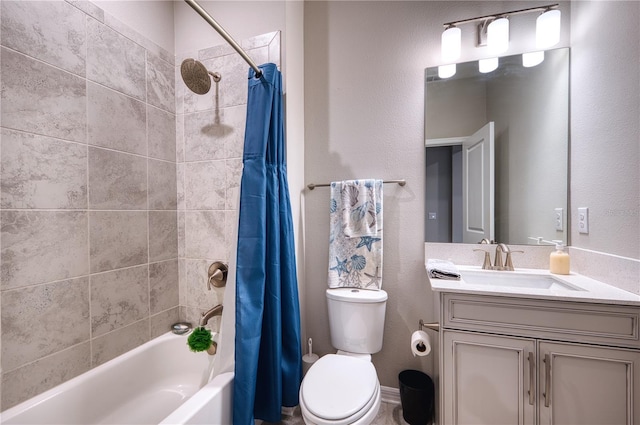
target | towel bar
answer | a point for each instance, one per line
(312, 186)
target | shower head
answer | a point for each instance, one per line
(196, 76)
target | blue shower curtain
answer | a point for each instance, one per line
(268, 367)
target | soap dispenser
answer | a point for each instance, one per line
(559, 260)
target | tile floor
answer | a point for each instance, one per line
(389, 414)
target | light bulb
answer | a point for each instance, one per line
(487, 65)
(548, 29)
(447, 71)
(532, 58)
(498, 36)
(451, 44)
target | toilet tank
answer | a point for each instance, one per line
(356, 319)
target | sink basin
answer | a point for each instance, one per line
(516, 280)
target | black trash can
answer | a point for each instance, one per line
(417, 397)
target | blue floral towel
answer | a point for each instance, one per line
(355, 240)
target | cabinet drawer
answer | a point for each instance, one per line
(567, 321)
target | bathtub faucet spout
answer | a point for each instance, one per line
(215, 311)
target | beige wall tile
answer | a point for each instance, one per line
(111, 345)
(115, 61)
(234, 176)
(163, 192)
(162, 134)
(182, 242)
(180, 170)
(53, 32)
(93, 81)
(60, 97)
(196, 293)
(42, 246)
(160, 83)
(205, 185)
(180, 138)
(119, 298)
(43, 319)
(205, 235)
(161, 322)
(163, 286)
(163, 235)
(117, 181)
(36, 377)
(118, 239)
(235, 117)
(203, 140)
(41, 172)
(115, 121)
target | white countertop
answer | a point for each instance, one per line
(591, 290)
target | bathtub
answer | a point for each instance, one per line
(156, 383)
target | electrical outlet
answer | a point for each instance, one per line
(583, 220)
(558, 219)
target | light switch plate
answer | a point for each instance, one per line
(558, 219)
(583, 220)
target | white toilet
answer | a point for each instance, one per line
(343, 388)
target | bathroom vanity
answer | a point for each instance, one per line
(531, 348)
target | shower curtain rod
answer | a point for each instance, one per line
(216, 26)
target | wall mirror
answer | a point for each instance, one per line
(497, 149)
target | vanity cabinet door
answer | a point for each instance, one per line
(588, 385)
(488, 380)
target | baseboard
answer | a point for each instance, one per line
(390, 395)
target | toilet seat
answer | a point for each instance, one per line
(340, 390)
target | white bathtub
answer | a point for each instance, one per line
(156, 383)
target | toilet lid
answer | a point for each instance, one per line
(337, 387)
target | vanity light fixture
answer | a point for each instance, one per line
(532, 58)
(548, 29)
(487, 65)
(493, 31)
(451, 44)
(447, 71)
(498, 36)
(450, 51)
(547, 35)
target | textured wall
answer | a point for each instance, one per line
(605, 126)
(364, 70)
(363, 87)
(88, 221)
(153, 19)
(241, 19)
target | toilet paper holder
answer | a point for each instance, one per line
(435, 326)
(421, 326)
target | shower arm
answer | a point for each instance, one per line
(195, 6)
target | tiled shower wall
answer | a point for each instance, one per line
(210, 138)
(89, 244)
(105, 240)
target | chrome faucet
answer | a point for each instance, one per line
(215, 311)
